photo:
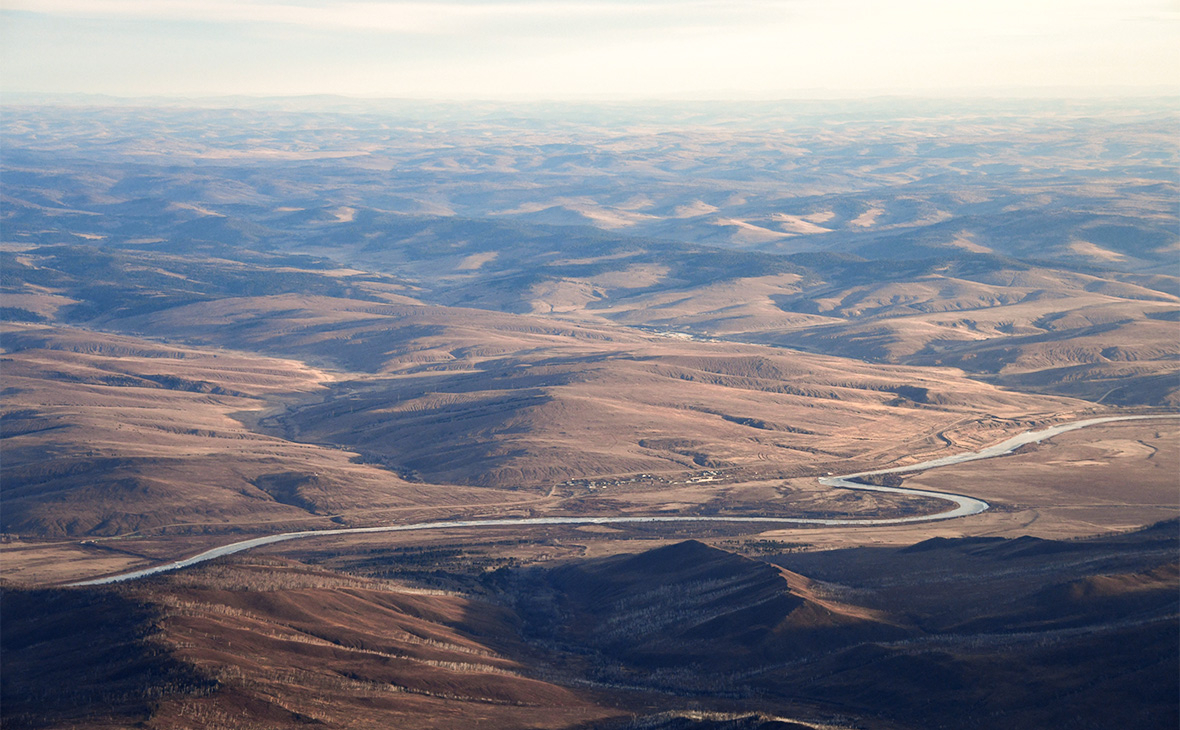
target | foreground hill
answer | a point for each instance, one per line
(272, 645)
(944, 633)
(1032, 633)
(688, 613)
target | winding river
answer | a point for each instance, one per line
(964, 506)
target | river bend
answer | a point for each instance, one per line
(964, 506)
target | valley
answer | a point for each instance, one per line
(590, 416)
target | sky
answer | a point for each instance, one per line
(590, 49)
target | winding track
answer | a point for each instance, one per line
(964, 506)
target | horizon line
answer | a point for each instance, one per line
(1046, 93)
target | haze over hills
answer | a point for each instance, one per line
(1024, 231)
(222, 323)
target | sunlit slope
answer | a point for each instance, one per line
(470, 396)
(1091, 331)
(107, 434)
(449, 394)
(959, 233)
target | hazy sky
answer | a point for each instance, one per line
(586, 48)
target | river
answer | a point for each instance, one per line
(964, 506)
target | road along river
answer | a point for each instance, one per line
(964, 506)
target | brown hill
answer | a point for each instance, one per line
(106, 434)
(271, 645)
(940, 634)
(86, 658)
(495, 399)
(689, 614)
(1035, 633)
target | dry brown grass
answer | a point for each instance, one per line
(477, 397)
(291, 645)
(1108, 478)
(112, 434)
